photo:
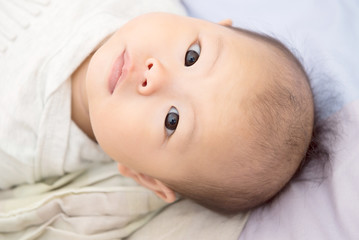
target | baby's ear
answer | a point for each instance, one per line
(160, 189)
(226, 22)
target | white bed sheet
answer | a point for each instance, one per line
(326, 33)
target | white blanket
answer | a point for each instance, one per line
(187, 220)
(94, 204)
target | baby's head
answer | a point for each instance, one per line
(223, 116)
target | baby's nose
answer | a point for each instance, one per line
(154, 77)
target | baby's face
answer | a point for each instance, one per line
(164, 94)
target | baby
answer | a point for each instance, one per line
(220, 115)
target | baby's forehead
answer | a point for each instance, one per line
(224, 121)
(239, 82)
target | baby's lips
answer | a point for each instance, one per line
(116, 72)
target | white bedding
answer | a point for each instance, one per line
(97, 203)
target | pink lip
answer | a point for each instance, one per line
(119, 71)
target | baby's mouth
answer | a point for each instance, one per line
(116, 72)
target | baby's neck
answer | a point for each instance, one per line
(79, 105)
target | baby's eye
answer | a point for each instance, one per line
(192, 54)
(171, 121)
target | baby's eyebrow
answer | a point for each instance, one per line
(190, 134)
(194, 128)
(219, 51)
